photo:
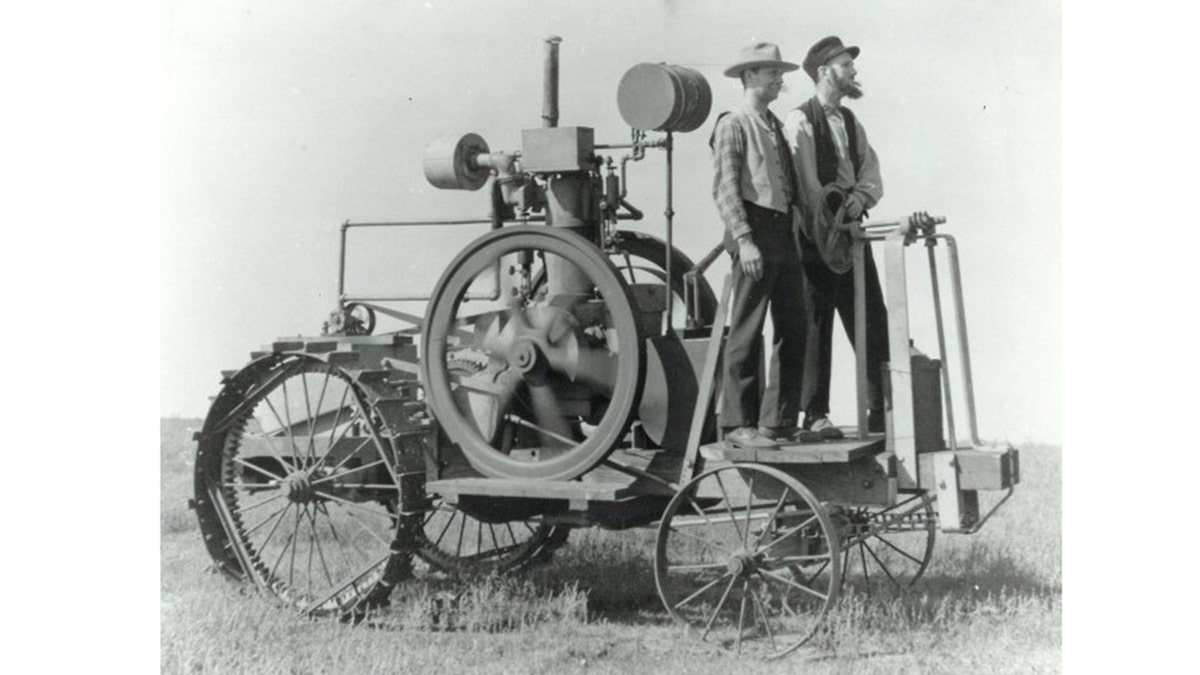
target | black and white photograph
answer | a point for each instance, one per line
(557, 337)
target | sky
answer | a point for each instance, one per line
(283, 120)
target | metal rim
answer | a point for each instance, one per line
(296, 488)
(561, 457)
(748, 559)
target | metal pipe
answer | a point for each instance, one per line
(417, 223)
(342, 266)
(550, 83)
(964, 349)
(941, 336)
(670, 214)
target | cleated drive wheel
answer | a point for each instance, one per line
(748, 559)
(889, 546)
(296, 488)
(564, 360)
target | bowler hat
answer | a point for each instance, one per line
(823, 52)
(760, 55)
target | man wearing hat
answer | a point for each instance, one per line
(835, 161)
(755, 189)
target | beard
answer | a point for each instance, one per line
(847, 87)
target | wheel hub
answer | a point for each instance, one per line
(524, 356)
(299, 487)
(743, 563)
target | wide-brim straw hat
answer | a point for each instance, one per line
(760, 55)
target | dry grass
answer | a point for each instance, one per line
(990, 602)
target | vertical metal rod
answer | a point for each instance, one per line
(860, 332)
(964, 349)
(941, 336)
(341, 292)
(670, 214)
(550, 83)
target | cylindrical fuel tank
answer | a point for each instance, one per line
(662, 97)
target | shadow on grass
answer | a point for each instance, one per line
(589, 583)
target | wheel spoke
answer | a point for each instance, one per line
(312, 430)
(312, 524)
(727, 502)
(333, 532)
(697, 567)
(788, 533)
(816, 573)
(703, 515)
(789, 582)
(882, 566)
(749, 503)
(702, 540)
(278, 522)
(257, 468)
(308, 421)
(741, 619)
(335, 476)
(352, 505)
(770, 519)
(262, 522)
(461, 531)
(352, 581)
(862, 554)
(721, 603)
(899, 550)
(243, 509)
(446, 527)
(334, 434)
(762, 611)
(292, 561)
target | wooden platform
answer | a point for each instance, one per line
(822, 452)
(558, 489)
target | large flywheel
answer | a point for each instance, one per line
(562, 362)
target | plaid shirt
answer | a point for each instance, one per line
(730, 160)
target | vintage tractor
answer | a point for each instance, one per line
(563, 376)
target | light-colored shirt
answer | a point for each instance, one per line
(748, 157)
(799, 132)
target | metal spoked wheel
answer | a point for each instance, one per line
(464, 542)
(562, 363)
(889, 546)
(296, 488)
(748, 559)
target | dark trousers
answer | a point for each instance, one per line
(825, 292)
(780, 291)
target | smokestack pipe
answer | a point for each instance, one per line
(550, 90)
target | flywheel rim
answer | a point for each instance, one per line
(441, 315)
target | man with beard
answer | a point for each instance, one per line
(831, 149)
(755, 189)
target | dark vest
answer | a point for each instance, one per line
(827, 158)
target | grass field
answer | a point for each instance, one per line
(990, 602)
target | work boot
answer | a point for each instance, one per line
(790, 434)
(747, 438)
(820, 423)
